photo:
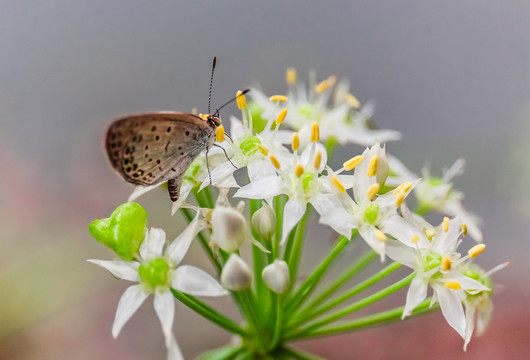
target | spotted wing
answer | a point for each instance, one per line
(150, 148)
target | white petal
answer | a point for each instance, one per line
(130, 301)
(236, 128)
(332, 213)
(452, 308)
(262, 188)
(466, 282)
(309, 151)
(194, 281)
(140, 190)
(126, 270)
(403, 231)
(179, 247)
(470, 325)
(416, 294)
(455, 170)
(165, 310)
(368, 234)
(173, 350)
(221, 176)
(153, 244)
(483, 318)
(259, 170)
(292, 213)
(400, 253)
(185, 190)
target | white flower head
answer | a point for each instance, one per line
(157, 271)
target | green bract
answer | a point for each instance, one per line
(154, 273)
(123, 231)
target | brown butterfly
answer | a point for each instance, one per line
(148, 149)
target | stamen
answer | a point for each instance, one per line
(318, 159)
(400, 198)
(476, 250)
(315, 132)
(430, 234)
(298, 170)
(194, 111)
(290, 76)
(353, 162)
(445, 224)
(379, 235)
(281, 116)
(241, 100)
(295, 144)
(220, 134)
(274, 161)
(446, 263)
(372, 191)
(352, 101)
(453, 285)
(332, 80)
(338, 184)
(262, 149)
(321, 87)
(405, 187)
(278, 98)
(415, 239)
(372, 166)
(464, 229)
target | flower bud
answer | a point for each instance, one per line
(264, 221)
(229, 228)
(276, 276)
(236, 274)
(375, 163)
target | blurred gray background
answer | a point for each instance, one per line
(452, 76)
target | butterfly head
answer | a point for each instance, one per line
(213, 121)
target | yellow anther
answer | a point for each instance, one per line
(430, 234)
(400, 198)
(415, 239)
(476, 250)
(372, 191)
(453, 285)
(290, 76)
(262, 149)
(318, 160)
(299, 170)
(274, 161)
(281, 116)
(295, 144)
(372, 166)
(332, 80)
(241, 100)
(405, 187)
(446, 263)
(464, 229)
(194, 111)
(445, 224)
(353, 162)
(379, 235)
(278, 98)
(220, 133)
(321, 87)
(338, 184)
(352, 101)
(315, 132)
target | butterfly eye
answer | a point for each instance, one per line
(214, 121)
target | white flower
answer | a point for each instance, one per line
(236, 274)
(437, 264)
(157, 271)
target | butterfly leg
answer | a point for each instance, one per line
(173, 187)
(208, 166)
(222, 148)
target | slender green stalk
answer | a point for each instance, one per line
(381, 318)
(352, 308)
(347, 275)
(279, 322)
(209, 313)
(257, 254)
(298, 242)
(224, 353)
(279, 204)
(307, 287)
(305, 317)
(298, 354)
(249, 306)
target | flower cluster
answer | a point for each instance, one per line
(284, 143)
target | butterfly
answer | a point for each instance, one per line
(148, 149)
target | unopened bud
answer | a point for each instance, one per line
(229, 228)
(236, 274)
(276, 276)
(264, 221)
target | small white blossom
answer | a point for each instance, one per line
(276, 276)
(236, 274)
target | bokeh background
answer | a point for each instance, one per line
(453, 76)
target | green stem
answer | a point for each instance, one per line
(381, 318)
(307, 287)
(306, 317)
(248, 304)
(257, 255)
(297, 244)
(298, 354)
(209, 313)
(353, 307)
(347, 275)
(279, 204)
(279, 322)
(224, 353)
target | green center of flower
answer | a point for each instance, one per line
(249, 145)
(371, 212)
(154, 273)
(258, 121)
(435, 181)
(307, 111)
(431, 261)
(308, 179)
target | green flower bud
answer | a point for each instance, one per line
(264, 221)
(236, 274)
(276, 276)
(123, 231)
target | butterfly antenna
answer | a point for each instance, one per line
(211, 83)
(228, 102)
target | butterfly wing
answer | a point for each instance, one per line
(150, 148)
